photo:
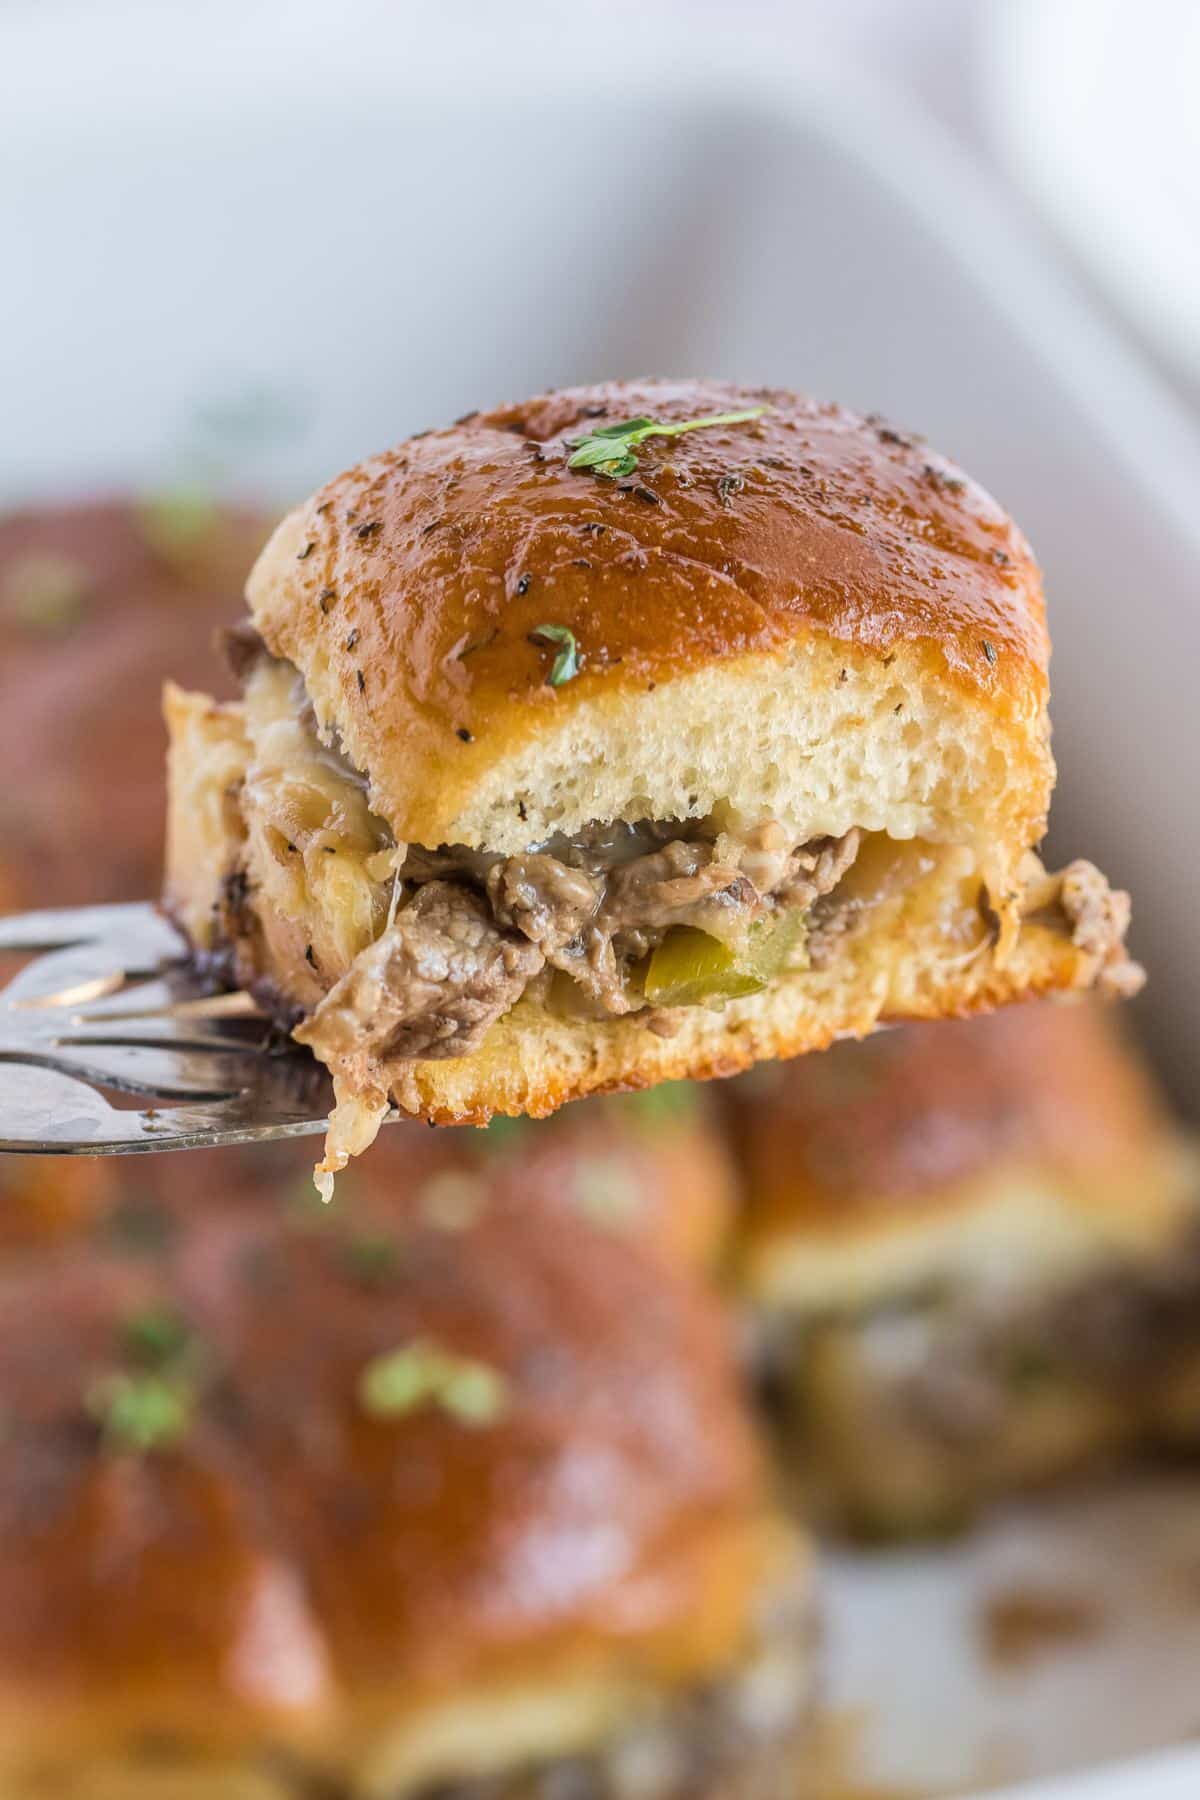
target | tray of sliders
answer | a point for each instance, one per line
(546, 1460)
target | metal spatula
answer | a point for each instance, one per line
(110, 1008)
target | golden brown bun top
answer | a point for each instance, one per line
(293, 1547)
(906, 1123)
(98, 604)
(407, 589)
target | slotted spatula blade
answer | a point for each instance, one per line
(108, 1008)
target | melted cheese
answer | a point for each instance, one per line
(318, 853)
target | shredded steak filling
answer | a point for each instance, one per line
(478, 929)
(432, 983)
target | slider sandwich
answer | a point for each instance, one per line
(637, 732)
(493, 1526)
(972, 1257)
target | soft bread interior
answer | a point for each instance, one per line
(812, 737)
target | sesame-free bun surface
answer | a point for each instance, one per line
(871, 619)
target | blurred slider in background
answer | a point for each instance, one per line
(493, 1522)
(972, 1255)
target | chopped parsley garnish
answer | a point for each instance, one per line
(565, 666)
(611, 450)
(422, 1374)
(141, 1412)
(475, 1394)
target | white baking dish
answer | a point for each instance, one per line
(385, 217)
(1173, 1776)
